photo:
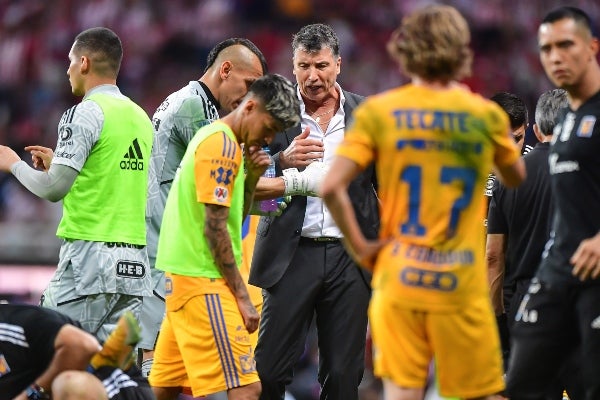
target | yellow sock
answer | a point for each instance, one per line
(117, 348)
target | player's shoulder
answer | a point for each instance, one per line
(217, 139)
(86, 112)
(189, 99)
(480, 107)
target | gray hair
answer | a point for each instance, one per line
(279, 98)
(312, 38)
(547, 108)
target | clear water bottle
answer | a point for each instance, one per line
(271, 204)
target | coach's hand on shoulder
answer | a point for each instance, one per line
(41, 156)
(7, 158)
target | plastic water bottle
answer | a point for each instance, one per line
(271, 204)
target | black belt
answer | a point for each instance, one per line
(320, 239)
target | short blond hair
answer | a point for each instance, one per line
(433, 43)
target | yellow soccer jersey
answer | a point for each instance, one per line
(434, 151)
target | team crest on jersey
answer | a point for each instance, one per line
(4, 367)
(586, 126)
(221, 194)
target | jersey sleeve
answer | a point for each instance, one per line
(78, 131)
(217, 161)
(359, 141)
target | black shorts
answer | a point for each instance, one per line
(129, 385)
(554, 327)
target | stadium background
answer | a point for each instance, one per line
(166, 43)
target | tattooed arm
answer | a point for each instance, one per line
(218, 238)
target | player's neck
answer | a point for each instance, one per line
(587, 87)
(434, 84)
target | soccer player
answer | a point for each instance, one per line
(205, 342)
(433, 142)
(44, 354)
(231, 67)
(559, 316)
(99, 170)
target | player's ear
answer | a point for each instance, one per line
(250, 105)
(538, 133)
(225, 70)
(85, 65)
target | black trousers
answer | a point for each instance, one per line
(321, 281)
(556, 341)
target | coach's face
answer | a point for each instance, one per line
(316, 73)
(566, 51)
(74, 72)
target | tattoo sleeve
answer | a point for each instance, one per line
(218, 238)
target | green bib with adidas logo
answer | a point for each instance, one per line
(107, 201)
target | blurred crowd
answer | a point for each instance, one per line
(166, 43)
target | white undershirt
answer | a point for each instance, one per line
(317, 220)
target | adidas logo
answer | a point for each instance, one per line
(596, 323)
(133, 158)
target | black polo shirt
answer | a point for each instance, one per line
(575, 176)
(524, 215)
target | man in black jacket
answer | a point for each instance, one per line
(299, 259)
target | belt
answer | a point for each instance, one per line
(321, 239)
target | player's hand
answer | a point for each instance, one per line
(7, 158)
(366, 254)
(257, 161)
(249, 313)
(307, 182)
(282, 204)
(586, 259)
(301, 152)
(41, 156)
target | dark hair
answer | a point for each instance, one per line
(313, 38)
(574, 13)
(279, 98)
(219, 47)
(547, 108)
(103, 47)
(514, 106)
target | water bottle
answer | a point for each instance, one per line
(271, 204)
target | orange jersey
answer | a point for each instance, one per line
(433, 151)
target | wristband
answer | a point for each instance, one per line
(36, 392)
